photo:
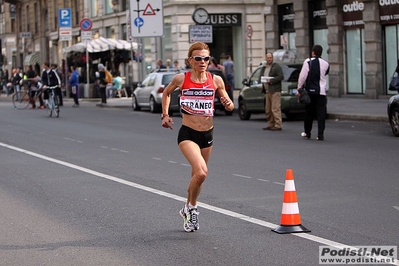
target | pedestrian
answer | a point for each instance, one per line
(34, 88)
(116, 85)
(215, 65)
(195, 138)
(74, 84)
(160, 65)
(31, 80)
(187, 64)
(102, 83)
(313, 79)
(57, 91)
(176, 65)
(16, 81)
(6, 81)
(228, 65)
(168, 65)
(272, 89)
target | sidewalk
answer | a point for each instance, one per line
(345, 108)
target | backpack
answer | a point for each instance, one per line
(108, 77)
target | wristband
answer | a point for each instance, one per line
(164, 115)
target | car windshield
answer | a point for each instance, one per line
(166, 79)
(291, 72)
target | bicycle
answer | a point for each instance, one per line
(52, 102)
(21, 99)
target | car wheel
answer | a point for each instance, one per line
(154, 107)
(394, 121)
(242, 111)
(135, 105)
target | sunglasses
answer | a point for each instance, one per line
(199, 58)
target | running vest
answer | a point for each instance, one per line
(197, 98)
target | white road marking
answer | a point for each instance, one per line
(185, 164)
(248, 177)
(236, 215)
(263, 180)
(396, 207)
(104, 147)
(124, 151)
(158, 159)
(277, 183)
(171, 162)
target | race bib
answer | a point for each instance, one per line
(197, 101)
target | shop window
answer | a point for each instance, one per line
(286, 17)
(391, 40)
(355, 48)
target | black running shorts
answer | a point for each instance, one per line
(203, 139)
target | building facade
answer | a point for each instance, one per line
(360, 37)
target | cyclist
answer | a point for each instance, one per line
(30, 81)
(50, 78)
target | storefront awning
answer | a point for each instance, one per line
(101, 45)
(32, 59)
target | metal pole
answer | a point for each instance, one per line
(87, 69)
(250, 55)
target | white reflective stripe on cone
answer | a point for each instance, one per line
(290, 208)
(289, 185)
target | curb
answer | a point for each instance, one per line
(357, 117)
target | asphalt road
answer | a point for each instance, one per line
(103, 186)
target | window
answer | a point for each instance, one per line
(109, 7)
(110, 32)
(286, 17)
(151, 82)
(94, 8)
(355, 48)
(255, 78)
(27, 18)
(76, 8)
(20, 19)
(35, 17)
(122, 5)
(391, 39)
(55, 14)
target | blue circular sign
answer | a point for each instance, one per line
(138, 22)
(86, 24)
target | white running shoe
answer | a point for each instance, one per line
(190, 219)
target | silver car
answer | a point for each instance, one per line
(148, 93)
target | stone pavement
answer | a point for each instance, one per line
(345, 108)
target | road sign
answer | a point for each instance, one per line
(200, 33)
(86, 36)
(65, 18)
(86, 24)
(27, 34)
(65, 34)
(146, 18)
(249, 31)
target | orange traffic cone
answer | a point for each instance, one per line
(290, 217)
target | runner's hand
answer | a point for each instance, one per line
(167, 122)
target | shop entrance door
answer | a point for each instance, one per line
(222, 43)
